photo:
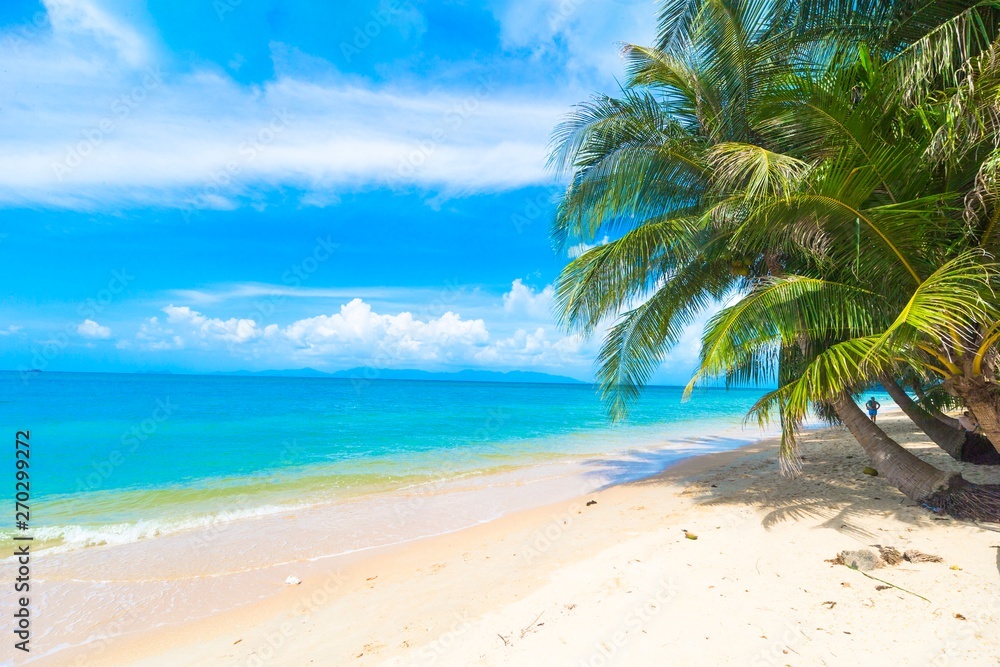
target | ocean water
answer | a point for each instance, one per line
(119, 457)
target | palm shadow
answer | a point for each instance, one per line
(831, 489)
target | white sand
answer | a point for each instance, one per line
(618, 583)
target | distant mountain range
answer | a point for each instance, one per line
(410, 374)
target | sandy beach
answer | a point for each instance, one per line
(612, 578)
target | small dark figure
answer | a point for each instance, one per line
(873, 407)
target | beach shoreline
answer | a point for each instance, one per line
(332, 448)
(84, 590)
(469, 597)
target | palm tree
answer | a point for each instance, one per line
(941, 304)
(746, 152)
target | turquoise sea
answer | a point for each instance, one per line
(118, 457)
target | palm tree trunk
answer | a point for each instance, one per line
(937, 414)
(983, 399)
(948, 439)
(918, 480)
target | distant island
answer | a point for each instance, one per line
(370, 373)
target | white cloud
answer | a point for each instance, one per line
(319, 199)
(138, 135)
(355, 332)
(91, 329)
(587, 32)
(324, 139)
(358, 330)
(358, 335)
(187, 328)
(254, 290)
(533, 349)
(516, 332)
(232, 330)
(522, 300)
(134, 135)
(72, 18)
(577, 250)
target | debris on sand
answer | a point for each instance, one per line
(915, 556)
(862, 559)
(867, 560)
(891, 555)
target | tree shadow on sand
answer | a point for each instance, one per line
(831, 490)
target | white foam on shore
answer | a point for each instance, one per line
(72, 537)
(654, 451)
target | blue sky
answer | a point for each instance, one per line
(250, 184)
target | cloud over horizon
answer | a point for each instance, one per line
(358, 335)
(417, 147)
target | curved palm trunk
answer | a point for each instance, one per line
(983, 398)
(959, 443)
(948, 439)
(937, 414)
(918, 480)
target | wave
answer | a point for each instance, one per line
(655, 449)
(61, 538)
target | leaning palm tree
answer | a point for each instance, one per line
(741, 132)
(942, 297)
(643, 169)
(828, 367)
(905, 216)
(646, 165)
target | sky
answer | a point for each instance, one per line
(221, 185)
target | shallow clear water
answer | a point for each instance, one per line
(115, 457)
